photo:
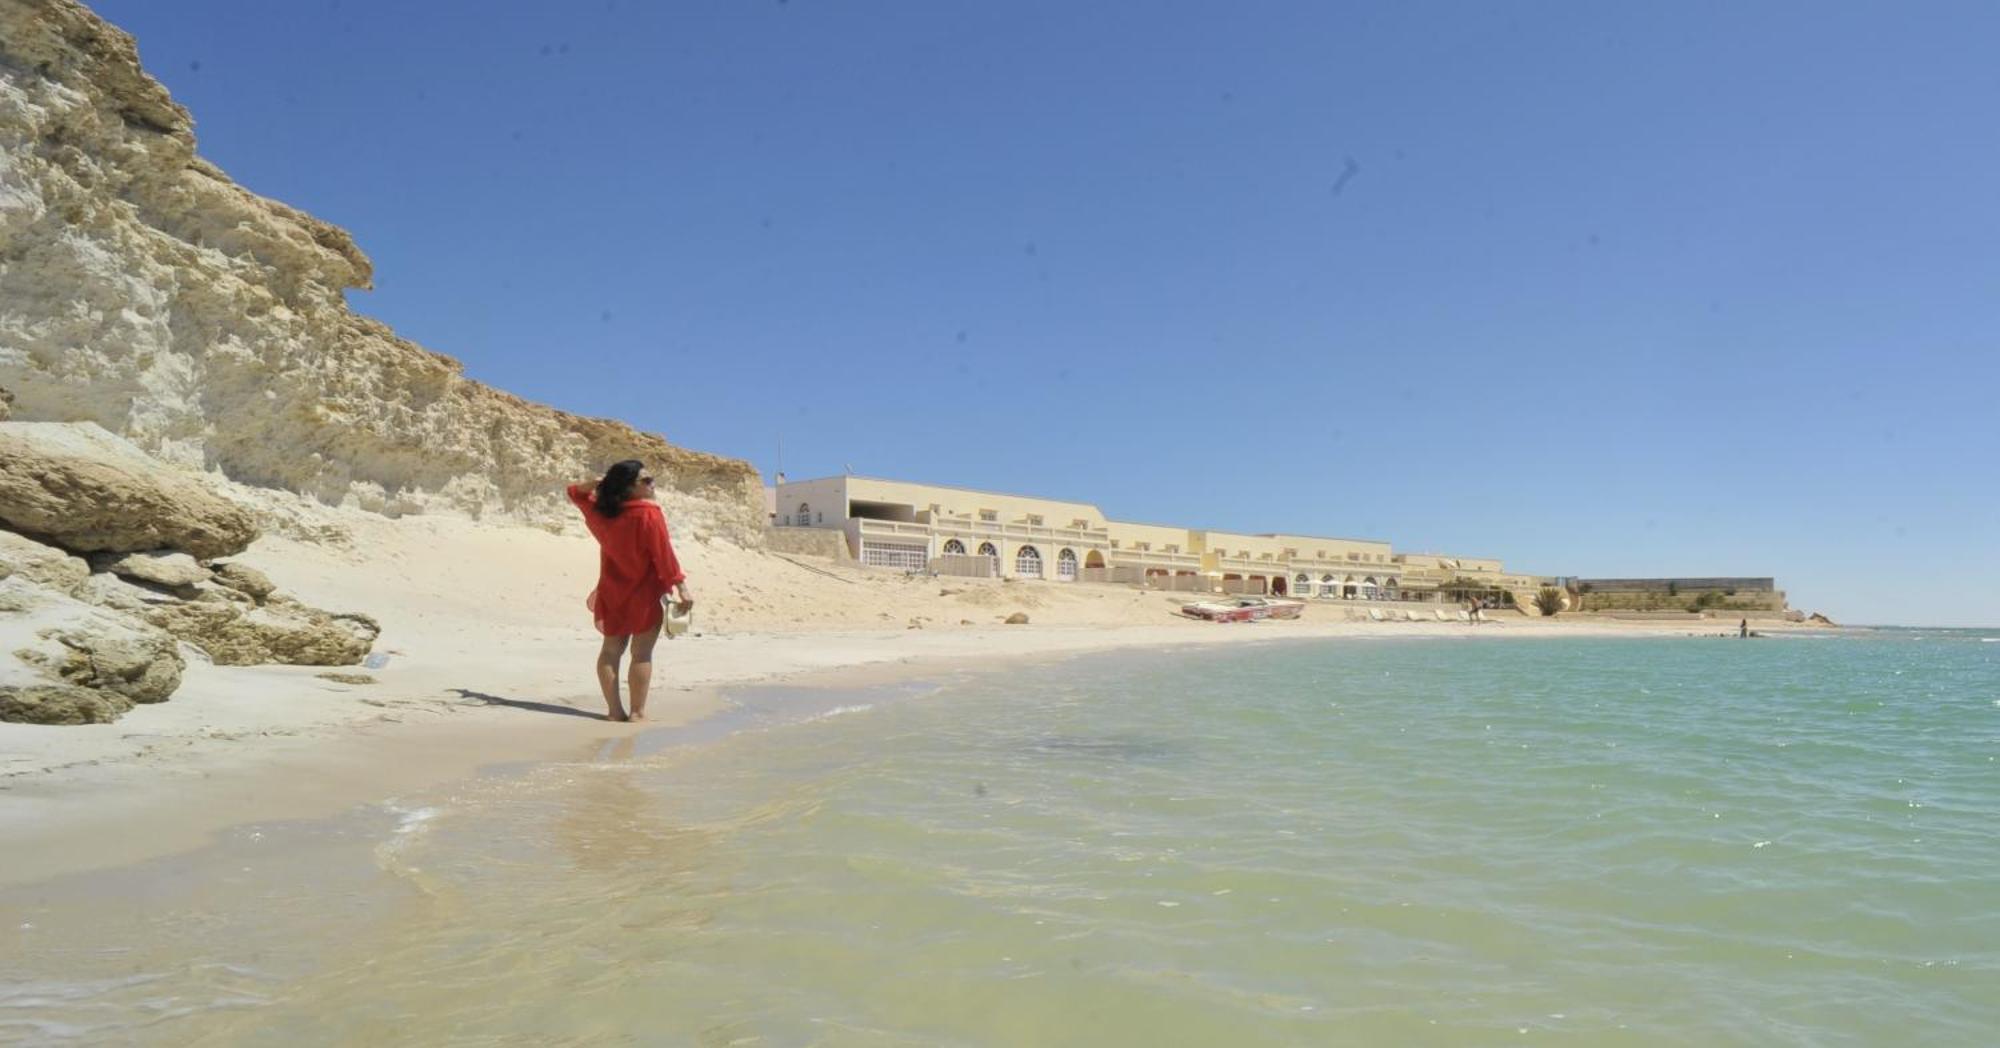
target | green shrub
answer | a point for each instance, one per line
(1549, 600)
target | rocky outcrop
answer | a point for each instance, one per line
(145, 291)
(245, 579)
(281, 630)
(159, 567)
(86, 490)
(39, 563)
(65, 662)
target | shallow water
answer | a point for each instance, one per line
(1441, 841)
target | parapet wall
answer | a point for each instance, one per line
(813, 542)
(1687, 585)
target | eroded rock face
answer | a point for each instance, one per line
(77, 485)
(281, 631)
(244, 579)
(147, 292)
(37, 562)
(160, 567)
(65, 662)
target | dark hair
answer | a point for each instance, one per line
(616, 486)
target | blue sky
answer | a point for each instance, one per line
(1667, 289)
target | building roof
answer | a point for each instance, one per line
(947, 487)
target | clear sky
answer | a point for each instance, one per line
(1659, 289)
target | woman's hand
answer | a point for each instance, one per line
(683, 597)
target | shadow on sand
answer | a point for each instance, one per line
(484, 699)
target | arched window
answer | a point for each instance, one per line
(1028, 563)
(1066, 565)
(952, 546)
(805, 514)
(987, 549)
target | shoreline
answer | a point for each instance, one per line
(178, 791)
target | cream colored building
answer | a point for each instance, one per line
(1150, 552)
(1242, 563)
(897, 524)
(929, 527)
(1339, 569)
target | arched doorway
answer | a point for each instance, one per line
(1028, 563)
(953, 546)
(1066, 566)
(1093, 559)
(1280, 586)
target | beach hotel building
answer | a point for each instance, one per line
(963, 531)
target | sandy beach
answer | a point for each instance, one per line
(488, 650)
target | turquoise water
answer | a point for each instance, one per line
(1452, 841)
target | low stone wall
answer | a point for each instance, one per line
(811, 542)
(965, 566)
(1628, 600)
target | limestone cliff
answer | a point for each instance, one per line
(143, 290)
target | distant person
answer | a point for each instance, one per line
(1743, 628)
(636, 569)
(1472, 610)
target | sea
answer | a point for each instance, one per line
(1790, 840)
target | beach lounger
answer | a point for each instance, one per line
(1442, 617)
(1376, 614)
(1464, 617)
(1410, 616)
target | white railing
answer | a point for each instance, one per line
(991, 529)
(892, 527)
(1261, 567)
(1144, 556)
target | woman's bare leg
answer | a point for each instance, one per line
(607, 676)
(641, 681)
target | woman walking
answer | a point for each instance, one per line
(636, 569)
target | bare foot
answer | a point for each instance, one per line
(617, 716)
(638, 715)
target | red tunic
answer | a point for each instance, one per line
(636, 565)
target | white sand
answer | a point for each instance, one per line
(490, 654)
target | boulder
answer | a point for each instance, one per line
(59, 704)
(244, 579)
(160, 567)
(36, 562)
(86, 490)
(65, 662)
(1019, 618)
(106, 590)
(282, 631)
(6, 404)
